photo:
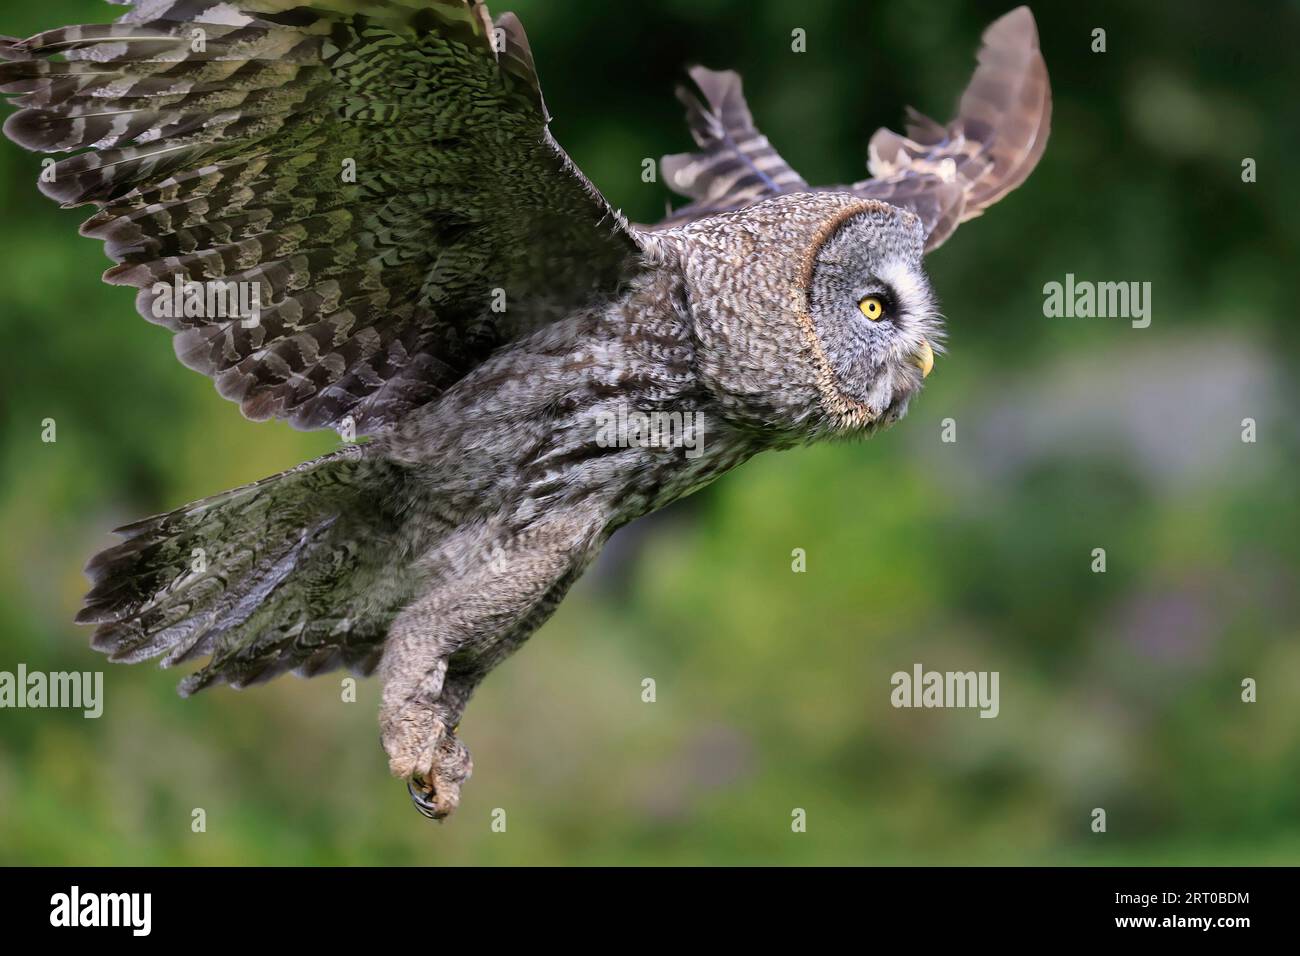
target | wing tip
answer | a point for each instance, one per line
(1013, 25)
(1009, 59)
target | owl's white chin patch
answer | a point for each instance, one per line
(881, 394)
(896, 411)
(889, 396)
(893, 411)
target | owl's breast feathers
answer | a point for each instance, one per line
(606, 407)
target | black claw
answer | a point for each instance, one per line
(420, 796)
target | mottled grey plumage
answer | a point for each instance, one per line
(764, 315)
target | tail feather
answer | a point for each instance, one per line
(288, 573)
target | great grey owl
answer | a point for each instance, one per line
(350, 214)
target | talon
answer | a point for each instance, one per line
(422, 795)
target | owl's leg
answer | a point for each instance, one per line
(419, 735)
(440, 647)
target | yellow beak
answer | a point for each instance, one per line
(923, 358)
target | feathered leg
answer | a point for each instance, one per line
(440, 647)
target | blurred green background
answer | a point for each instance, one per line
(1118, 690)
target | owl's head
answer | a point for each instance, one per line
(812, 313)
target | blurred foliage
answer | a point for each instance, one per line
(1119, 690)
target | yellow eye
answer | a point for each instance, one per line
(872, 307)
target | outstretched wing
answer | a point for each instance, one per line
(949, 174)
(944, 174)
(376, 176)
(735, 164)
